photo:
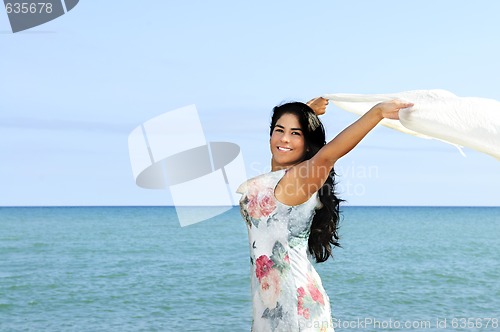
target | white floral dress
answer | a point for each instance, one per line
(287, 293)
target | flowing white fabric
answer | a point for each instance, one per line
(437, 114)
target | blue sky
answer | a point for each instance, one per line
(73, 89)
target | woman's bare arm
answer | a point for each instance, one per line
(309, 176)
(352, 135)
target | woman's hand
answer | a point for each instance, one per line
(318, 105)
(390, 109)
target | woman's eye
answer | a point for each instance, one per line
(278, 130)
(295, 133)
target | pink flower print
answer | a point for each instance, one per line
(309, 299)
(306, 314)
(253, 207)
(301, 292)
(315, 292)
(300, 307)
(260, 202)
(267, 203)
(262, 267)
(270, 289)
(300, 303)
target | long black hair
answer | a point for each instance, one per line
(324, 227)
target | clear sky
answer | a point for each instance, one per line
(73, 89)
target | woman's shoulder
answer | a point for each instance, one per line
(269, 179)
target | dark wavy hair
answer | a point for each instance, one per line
(324, 227)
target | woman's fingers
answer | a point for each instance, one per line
(318, 105)
(390, 109)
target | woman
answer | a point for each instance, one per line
(293, 211)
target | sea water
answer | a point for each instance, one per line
(136, 269)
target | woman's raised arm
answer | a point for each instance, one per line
(352, 135)
(310, 175)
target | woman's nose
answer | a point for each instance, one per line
(284, 138)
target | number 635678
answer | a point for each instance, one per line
(29, 8)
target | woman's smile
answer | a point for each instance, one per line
(284, 149)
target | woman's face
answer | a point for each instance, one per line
(287, 142)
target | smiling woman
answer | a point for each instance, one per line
(293, 212)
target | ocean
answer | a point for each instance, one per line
(136, 269)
